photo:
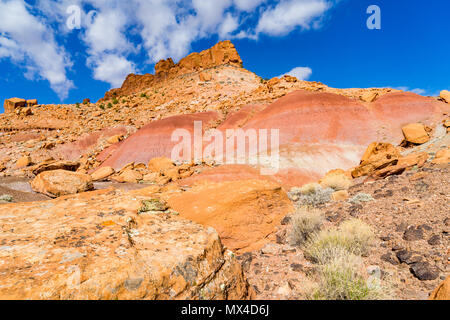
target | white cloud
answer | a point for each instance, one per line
(157, 29)
(289, 14)
(301, 73)
(27, 41)
(416, 90)
(111, 68)
(248, 5)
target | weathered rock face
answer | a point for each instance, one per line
(58, 183)
(445, 95)
(51, 165)
(442, 156)
(102, 173)
(245, 213)
(223, 53)
(95, 246)
(12, 104)
(376, 157)
(415, 133)
(442, 292)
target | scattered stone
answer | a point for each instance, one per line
(424, 271)
(12, 104)
(415, 133)
(389, 257)
(102, 173)
(413, 234)
(58, 183)
(23, 162)
(434, 240)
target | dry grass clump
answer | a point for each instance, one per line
(336, 182)
(341, 279)
(354, 236)
(306, 222)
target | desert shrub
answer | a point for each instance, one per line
(77, 104)
(315, 197)
(354, 236)
(110, 105)
(305, 223)
(6, 198)
(143, 95)
(341, 279)
(115, 101)
(336, 182)
(102, 106)
(361, 197)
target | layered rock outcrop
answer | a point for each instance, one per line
(96, 246)
(223, 53)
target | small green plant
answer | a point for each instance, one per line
(77, 105)
(305, 223)
(341, 279)
(102, 106)
(110, 105)
(115, 101)
(143, 95)
(153, 205)
(361, 197)
(124, 101)
(354, 236)
(6, 198)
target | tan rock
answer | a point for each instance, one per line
(129, 176)
(376, 157)
(445, 95)
(58, 183)
(12, 104)
(442, 156)
(340, 195)
(415, 133)
(442, 292)
(160, 165)
(115, 139)
(205, 77)
(23, 162)
(151, 177)
(245, 213)
(173, 174)
(50, 165)
(32, 102)
(102, 173)
(369, 96)
(72, 250)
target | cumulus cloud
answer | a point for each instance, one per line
(28, 41)
(289, 14)
(158, 29)
(301, 73)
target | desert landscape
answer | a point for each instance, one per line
(94, 207)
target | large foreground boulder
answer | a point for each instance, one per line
(245, 213)
(58, 183)
(96, 246)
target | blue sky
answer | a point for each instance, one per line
(40, 57)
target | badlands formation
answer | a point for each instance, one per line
(93, 207)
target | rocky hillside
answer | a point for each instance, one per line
(94, 208)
